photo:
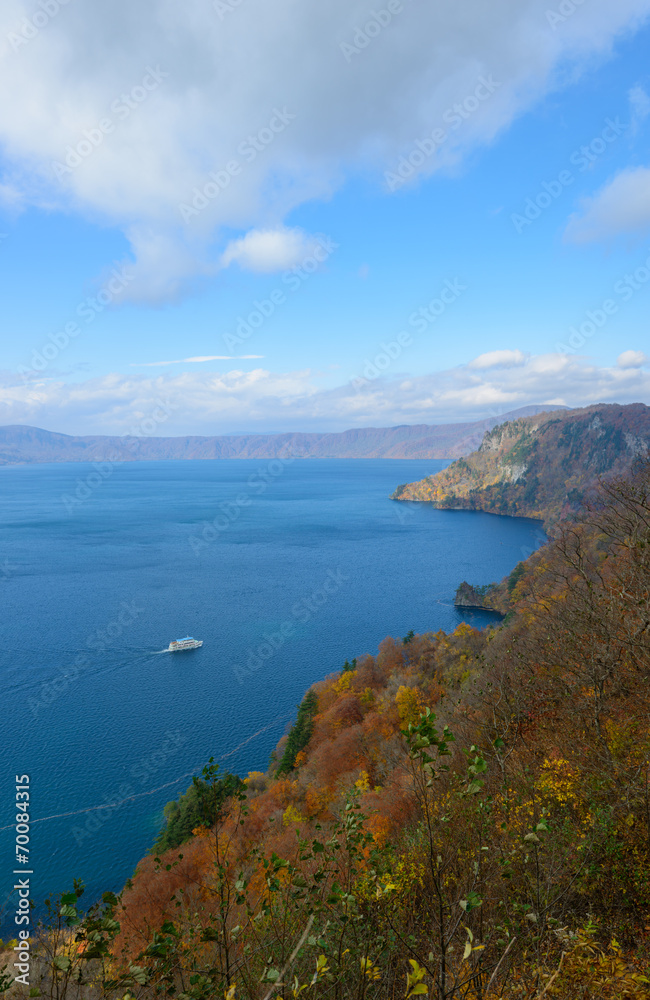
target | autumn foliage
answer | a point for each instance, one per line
(461, 815)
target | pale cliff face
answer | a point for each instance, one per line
(540, 466)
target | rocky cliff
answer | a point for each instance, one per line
(540, 466)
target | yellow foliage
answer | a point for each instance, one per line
(462, 630)
(626, 742)
(559, 781)
(292, 815)
(344, 683)
(368, 697)
(363, 782)
(254, 775)
(410, 704)
(407, 873)
(414, 984)
(597, 972)
(369, 969)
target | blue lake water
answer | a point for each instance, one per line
(283, 569)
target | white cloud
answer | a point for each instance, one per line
(10, 196)
(548, 364)
(198, 360)
(235, 401)
(622, 206)
(631, 359)
(262, 99)
(268, 250)
(498, 359)
(164, 266)
(639, 104)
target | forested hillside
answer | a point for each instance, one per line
(21, 444)
(541, 466)
(459, 816)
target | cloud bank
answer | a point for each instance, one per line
(256, 108)
(236, 401)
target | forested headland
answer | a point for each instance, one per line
(545, 466)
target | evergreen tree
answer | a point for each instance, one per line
(300, 732)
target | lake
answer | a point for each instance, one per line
(283, 568)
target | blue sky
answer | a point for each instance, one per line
(343, 343)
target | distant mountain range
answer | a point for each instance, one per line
(20, 444)
(540, 466)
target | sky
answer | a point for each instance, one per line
(273, 215)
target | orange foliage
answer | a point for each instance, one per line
(345, 711)
(336, 757)
(380, 828)
(149, 901)
(316, 800)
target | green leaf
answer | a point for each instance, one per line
(472, 902)
(62, 962)
(138, 974)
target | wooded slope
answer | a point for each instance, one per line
(542, 466)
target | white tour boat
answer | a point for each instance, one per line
(187, 643)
